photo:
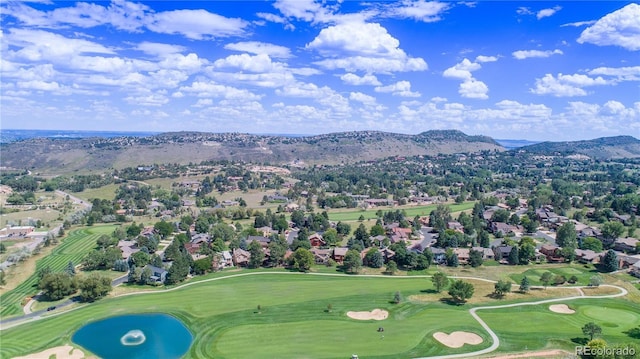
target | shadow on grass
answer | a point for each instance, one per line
(580, 341)
(451, 301)
(430, 291)
(633, 333)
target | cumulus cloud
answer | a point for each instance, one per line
(362, 98)
(419, 10)
(470, 87)
(526, 54)
(579, 23)
(363, 46)
(619, 28)
(196, 24)
(367, 79)
(400, 88)
(159, 49)
(547, 12)
(256, 47)
(631, 73)
(565, 85)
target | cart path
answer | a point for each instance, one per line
(495, 340)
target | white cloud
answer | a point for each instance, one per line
(353, 79)
(363, 98)
(579, 23)
(400, 88)
(37, 45)
(525, 54)
(470, 87)
(159, 49)
(619, 28)
(206, 89)
(246, 62)
(621, 73)
(474, 89)
(363, 46)
(565, 85)
(257, 48)
(420, 10)
(152, 99)
(524, 11)
(196, 24)
(547, 12)
(482, 58)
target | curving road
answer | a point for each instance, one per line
(494, 337)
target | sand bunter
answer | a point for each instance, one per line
(376, 314)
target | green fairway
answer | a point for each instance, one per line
(293, 319)
(72, 249)
(411, 211)
(542, 328)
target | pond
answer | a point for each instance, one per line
(136, 336)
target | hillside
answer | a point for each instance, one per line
(96, 154)
(599, 148)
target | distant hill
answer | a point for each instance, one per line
(511, 144)
(599, 148)
(57, 155)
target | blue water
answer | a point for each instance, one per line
(136, 336)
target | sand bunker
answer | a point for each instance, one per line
(63, 352)
(457, 339)
(376, 314)
(561, 308)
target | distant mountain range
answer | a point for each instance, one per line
(97, 153)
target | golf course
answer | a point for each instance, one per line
(261, 314)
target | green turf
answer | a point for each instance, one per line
(583, 274)
(539, 328)
(411, 211)
(293, 321)
(72, 249)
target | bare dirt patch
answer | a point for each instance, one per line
(561, 308)
(457, 339)
(540, 354)
(62, 352)
(376, 314)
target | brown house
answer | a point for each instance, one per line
(317, 240)
(339, 253)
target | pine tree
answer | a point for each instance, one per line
(610, 261)
(524, 284)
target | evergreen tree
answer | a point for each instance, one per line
(514, 257)
(610, 261)
(257, 255)
(525, 285)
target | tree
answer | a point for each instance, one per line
(460, 291)
(591, 329)
(546, 278)
(391, 267)
(140, 259)
(179, 268)
(3, 248)
(440, 281)
(501, 288)
(524, 285)
(566, 233)
(593, 244)
(451, 258)
(610, 261)
(302, 259)
(277, 250)
(56, 286)
(71, 269)
(514, 256)
(203, 265)
(94, 287)
(595, 281)
(257, 255)
(475, 258)
(352, 261)
(397, 297)
(2, 280)
(612, 230)
(373, 258)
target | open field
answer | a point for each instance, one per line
(104, 192)
(72, 249)
(412, 211)
(293, 319)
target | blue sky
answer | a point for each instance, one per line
(563, 70)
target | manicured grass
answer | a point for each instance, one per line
(583, 274)
(544, 329)
(293, 320)
(412, 211)
(104, 192)
(72, 249)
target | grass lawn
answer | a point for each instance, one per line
(293, 320)
(412, 211)
(545, 329)
(104, 192)
(72, 249)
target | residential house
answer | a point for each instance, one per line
(625, 261)
(487, 253)
(241, 257)
(439, 255)
(200, 238)
(635, 270)
(502, 252)
(321, 256)
(227, 259)
(587, 256)
(552, 252)
(462, 254)
(158, 275)
(264, 241)
(627, 245)
(317, 240)
(16, 231)
(456, 226)
(339, 253)
(127, 248)
(387, 254)
(266, 231)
